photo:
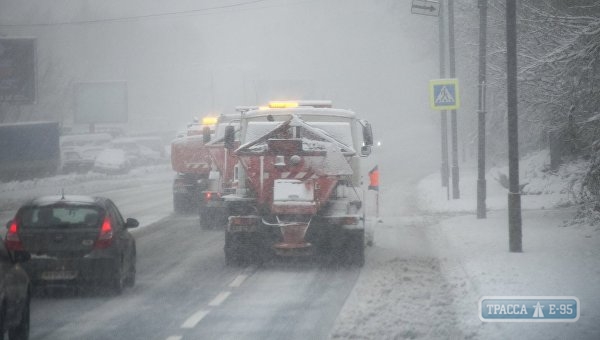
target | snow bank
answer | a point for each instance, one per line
(541, 187)
(430, 266)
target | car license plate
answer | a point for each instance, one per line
(59, 275)
(241, 228)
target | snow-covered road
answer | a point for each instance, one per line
(431, 262)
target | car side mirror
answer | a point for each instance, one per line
(367, 133)
(131, 223)
(229, 140)
(206, 134)
(365, 150)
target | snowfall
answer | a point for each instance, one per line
(432, 259)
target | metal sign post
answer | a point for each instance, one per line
(434, 8)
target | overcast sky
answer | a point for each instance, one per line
(187, 58)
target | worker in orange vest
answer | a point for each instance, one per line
(374, 179)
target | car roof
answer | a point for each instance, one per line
(67, 199)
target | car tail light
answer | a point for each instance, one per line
(106, 235)
(13, 242)
(211, 196)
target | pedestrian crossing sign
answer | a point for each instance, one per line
(443, 94)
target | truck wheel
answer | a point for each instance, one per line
(241, 248)
(357, 248)
(178, 204)
(232, 251)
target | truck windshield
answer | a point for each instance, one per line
(341, 131)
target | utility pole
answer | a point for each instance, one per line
(455, 175)
(481, 183)
(443, 114)
(514, 195)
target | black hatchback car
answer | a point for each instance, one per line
(79, 240)
(14, 296)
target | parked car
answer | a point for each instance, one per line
(80, 160)
(136, 153)
(75, 240)
(112, 161)
(14, 295)
(78, 152)
(155, 144)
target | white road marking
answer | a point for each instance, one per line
(193, 320)
(219, 299)
(238, 281)
(175, 337)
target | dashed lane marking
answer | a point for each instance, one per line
(238, 281)
(219, 299)
(175, 337)
(193, 320)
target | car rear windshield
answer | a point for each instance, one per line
(60, 216)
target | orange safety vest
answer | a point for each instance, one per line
(374, 179)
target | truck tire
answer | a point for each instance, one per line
(241, 248)
(178, 204)
(355, 248)
(231, 248)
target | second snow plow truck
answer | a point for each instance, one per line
(191, 161)
(298, 184)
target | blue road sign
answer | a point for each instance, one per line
(443, 94)
(529, 309)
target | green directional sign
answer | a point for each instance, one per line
(443, 94)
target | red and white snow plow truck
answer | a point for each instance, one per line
(213, 212)
(298, 184)
(191, 160)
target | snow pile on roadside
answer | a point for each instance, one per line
(12, 194)
(559, 258)
(556, 261)
(541, 187)
(427, 270)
